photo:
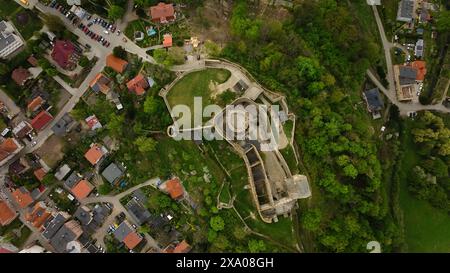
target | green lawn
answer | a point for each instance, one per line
(196, 84)
(8, 7)
(427, 229)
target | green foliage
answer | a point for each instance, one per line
(115, 12)
(311, 219)
(84, 61)
(217, 223)
(256, 246)
(120, 52)
(145, 144)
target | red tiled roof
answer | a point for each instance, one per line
(37, 215)
(115, 63)
(33, 61)
(138, 84)
(35, 104)
(162, 12)
(132, 240)
(20, 75)
(174, 188)
(167, 42)
(420, 66)
(82, 189)
(94, 154)
(22, 197)
(62, 53)
(100, 83)
(7, 215)
(7, 147)
(92, 121)
(40, 174)
(41, 120)
(182, 247)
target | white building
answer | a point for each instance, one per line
(9, 41)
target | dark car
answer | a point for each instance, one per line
(90, 24)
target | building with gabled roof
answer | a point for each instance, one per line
(82, 189)
(405, 11)
(10, 42)
(65, 55)
(38, 214)
(22, 197)
(126, 234)
(21, 75)
(69, 232)
(40, 174)
(167, 41)
(54, 225)
(374, 102)
(420, 66)
(95, 153)
(8, 148)
(117, 64)
(35, 104)
(138, 84)
(101, 83)
(162, 13)
(22, 129)
(93, 122)
(174, 188)
(41, 120)
(7, 214)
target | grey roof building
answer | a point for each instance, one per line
(407, 75)
(374, 100)
(9, 41)
(122, 231)
(62, 172)
(72, 180)
(64, 125)
(84, 215)
(69, 232)
(139, 214)
(112, 173)
(418, 50)
(54, 225)
(405, 11)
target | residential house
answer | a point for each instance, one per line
(68, 233)
(126, 234)
(34, 249)
(40, 174)
(38, 215)
(8, 148)
(405, 78)
(96, 153)
(418, 50)
(167, 42)
(182, 247)
(82, 189)
(21, 75)
(54, 225)
(405, 11)
(420, 66)
(113, 173)
(93, 122)
(7, 214)
(35, 104)
(138, 84)
(41, 120)
(65, 54)
(62, 172)
(72, 180)
(117, 64)
(33, 61)
(64, 125)
(162, 13)
(22, 129)
(139, 213)
(22, 197)
(84, 215)
(10, 42)
(101, 83)
(19, 166)
(174, 188)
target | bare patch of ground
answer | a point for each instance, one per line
(52, 151)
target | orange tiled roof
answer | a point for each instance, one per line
(22, 197)
(7, 215)
(115, 63)
(138, 84)
(35, 104)
(182, 247)
(420, 66)
(167, 42)
(38, 215)
(82, 189)
(162, 12)
(40, 174)
(20, 75)
(132, 240)
(174, 188)
(94, 154)
(7, 147)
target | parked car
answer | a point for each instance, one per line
(90, 24)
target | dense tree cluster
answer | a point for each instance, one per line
(318, 57)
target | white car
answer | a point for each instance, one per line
(106, 32)
(33, 143)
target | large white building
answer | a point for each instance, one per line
(9, 41)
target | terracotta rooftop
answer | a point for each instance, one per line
(41, 120)
(38, 215)
(132, 240)
(23, 197)
(7, 215)
(115, 63)
(421, 69)
(174, 188)
(167, 42)
(100, 84)
(62, 53)
(94, 154)
(7, 147)
(138, 84)
(162, 12)
(35, 104)
(82, 189)
(33, 61)
(182, 247)
(40, 174)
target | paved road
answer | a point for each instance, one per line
(390, 91)
(100, 234)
